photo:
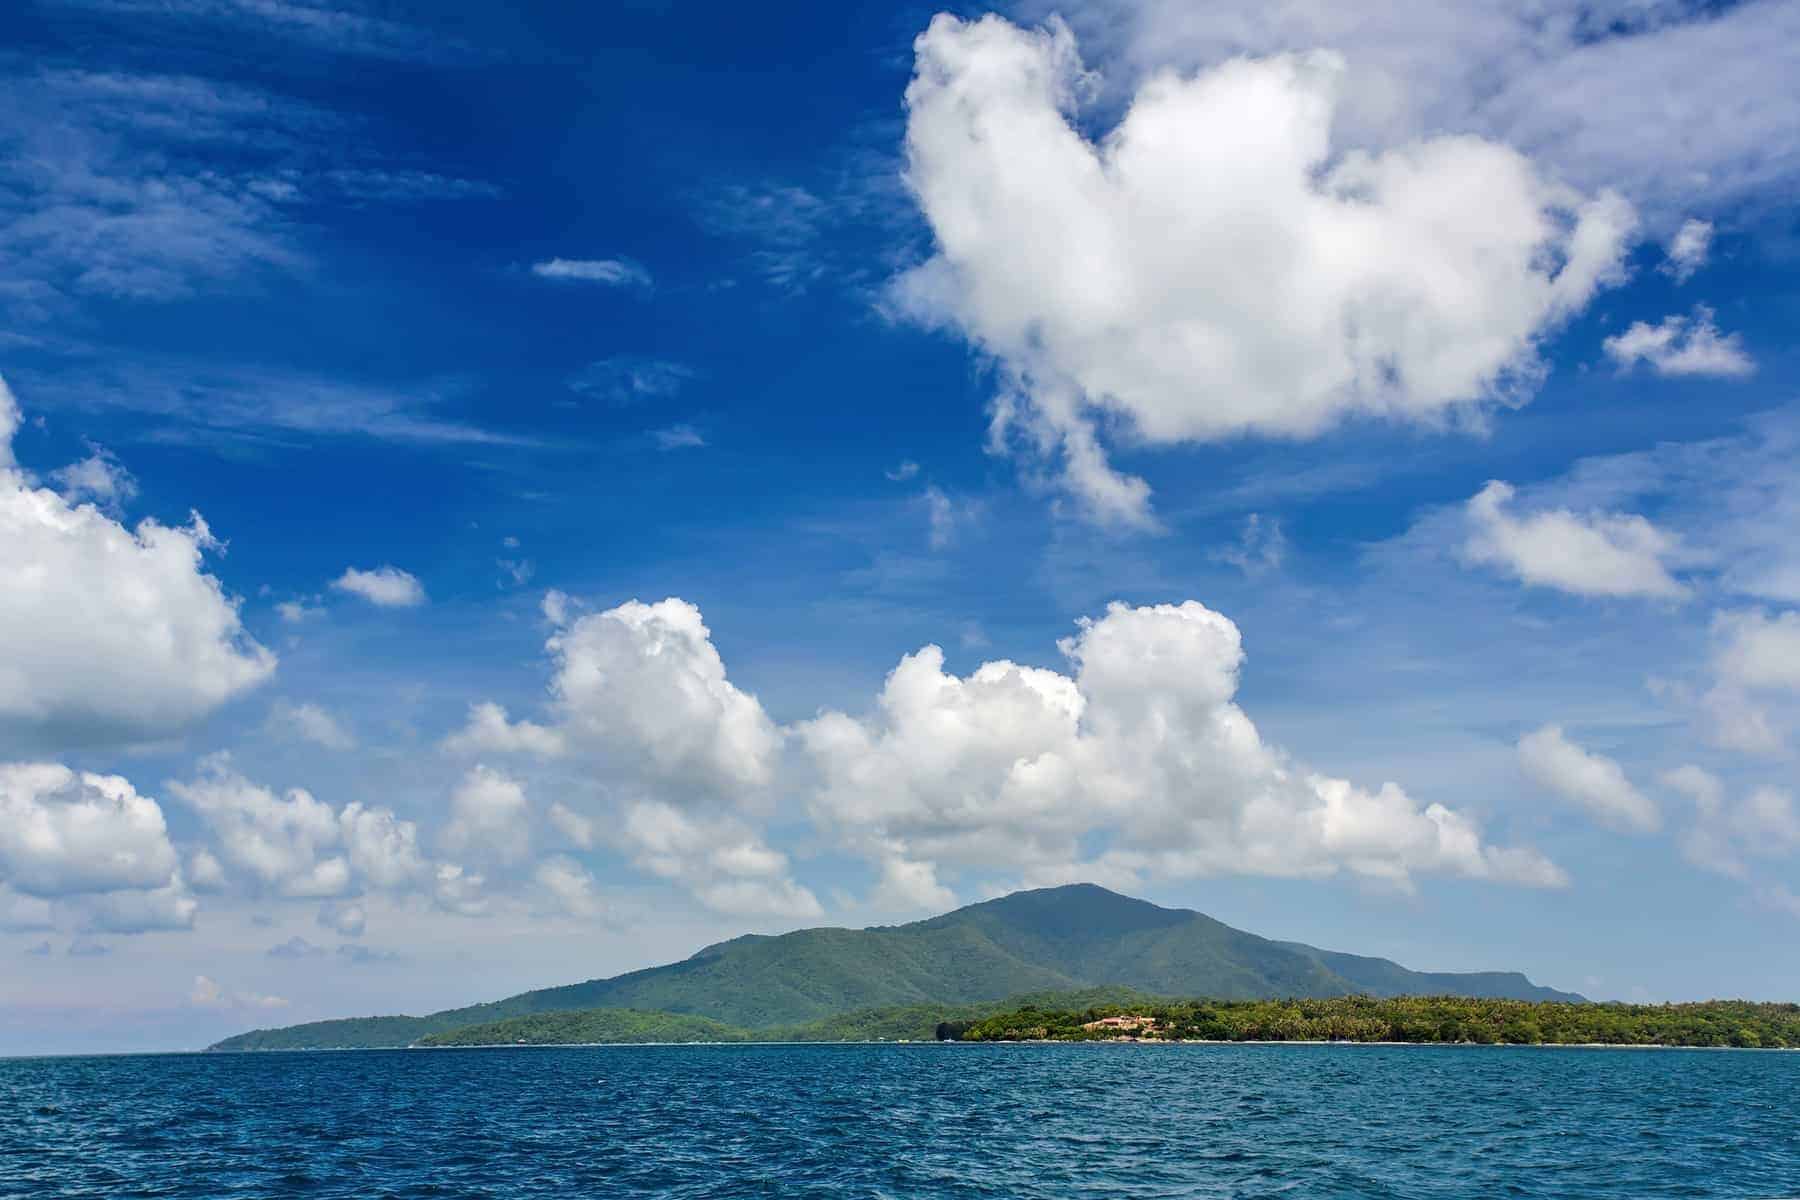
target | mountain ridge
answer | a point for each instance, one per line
(1060, 939)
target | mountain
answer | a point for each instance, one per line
(1051, 940)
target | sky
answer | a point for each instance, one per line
(498, 495)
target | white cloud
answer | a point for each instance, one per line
(624, 379)
(905, 470)
(346, 918)
(489, 729)
(579, 830)
(570, 887)
(1759, 651)
(456, 889)
(1591, 781)
(1705, 843)
(68, 833)
(1260, 548)
(207, 993)
(287, 843)
(385, 586)
(489, 817)
(946, 516)
(677, 437)
(1575, 83)
(383, 849)
(613, 272)
(108, 633)
(721, 861)
(1138, 765)
(1688, 249)
(309, 722)
(167, 907)
(297, 612)
(642, 684)
(1591, 554)
(99, 478)
(1723, 836)
(1216, 266)
(1682, 346)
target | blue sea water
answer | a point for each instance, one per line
(913, 1122)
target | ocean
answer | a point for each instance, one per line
(907, 1122)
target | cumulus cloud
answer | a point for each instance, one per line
(1216, 266)
(644, 684)
(569, 887)
(1682, 346)
(1138, 764)
(385, 586)
(579, 830)
(1587, 554)
(1575, 83)
(287, 843)
(613, 272)
(1688, 249)
(207, 993)
(489, 817)
(1586, 779)
(721, 861)
(490, 729)
(297, 846)
(69, 833)
(1760, 651)
(309, 722)
(108, 633)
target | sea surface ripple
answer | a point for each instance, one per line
(906, 1122)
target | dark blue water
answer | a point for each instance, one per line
(907, 1122)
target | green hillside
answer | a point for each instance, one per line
(1051, 940)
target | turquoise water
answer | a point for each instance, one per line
(907, 1122)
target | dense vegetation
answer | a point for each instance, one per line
(1052, 940)
(616, 1025)
(1410, 1019)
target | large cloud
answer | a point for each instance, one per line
(64, 833)
(1138, 764)
(1579, 84)
(1216, 266)
(644, 682)
(296, 846)
(87, 850)
(682, 758)
(108, 633)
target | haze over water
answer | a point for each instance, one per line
(923, 1122)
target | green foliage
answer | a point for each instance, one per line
(613, 1025)
(1055, 940)
(1415, 1019)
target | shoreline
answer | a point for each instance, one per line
(1056, 1042)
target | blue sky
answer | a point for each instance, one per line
(667, 375)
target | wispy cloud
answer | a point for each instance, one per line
(612, 272)
(627, 379)
(678, 437)
(206, 402)
(338, 27)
